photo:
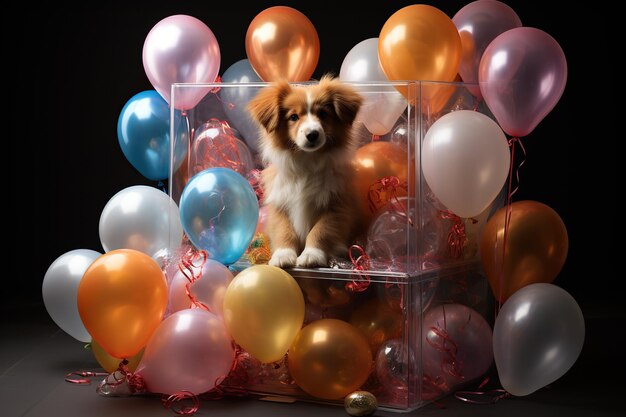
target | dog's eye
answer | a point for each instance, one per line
(294, 117)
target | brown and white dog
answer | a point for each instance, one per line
(307, 146)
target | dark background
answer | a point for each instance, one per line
(70, 70)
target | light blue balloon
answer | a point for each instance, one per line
(235, 100)
(219, 212)
(143, 131)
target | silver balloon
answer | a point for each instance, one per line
(141, 218)
(60, 291)
(537, 337)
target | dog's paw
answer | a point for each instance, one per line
(283, 258)
(311, 257)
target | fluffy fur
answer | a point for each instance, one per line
(307, 147)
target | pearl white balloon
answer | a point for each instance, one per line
(383, 104)
(465, 161)
(141, 218)
(60, 291)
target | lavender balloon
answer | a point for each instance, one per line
(181, 49)
(538, 336)
(190, 350)
(208, 289)
(456, 345)
(479, 23)
(522, 76)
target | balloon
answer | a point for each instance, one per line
(121, 301)
(141, 218)
(190, 351)
(235, 100)
(479, 23)
(419, 42)
(382, 105)
(263, 311)
(209, 289)
(215, 145)
(372, 163)
(109, 363)
(181, 49)
(536, 247)
(465, 161)
(329, 359)
(59, 289)
(282, 44)
(522, 76)
(378, 323)
(538, 336)
(456, 345)
(219, 213)
(395, 366)
(143, 131)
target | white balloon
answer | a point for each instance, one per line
(465, 161)
(60, 291)
(382, 104)
(141, 218)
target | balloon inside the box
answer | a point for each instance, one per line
(219, 211)
(395, 363)
(215, 145)
(143, 132)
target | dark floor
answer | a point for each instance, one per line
(35, 355)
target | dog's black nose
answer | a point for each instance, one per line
(312, 135)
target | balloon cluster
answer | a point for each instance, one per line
(161, 305)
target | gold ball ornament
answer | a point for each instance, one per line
(360, 403)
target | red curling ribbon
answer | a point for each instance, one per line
(456, 236)
(86, 375)
(482, 397)
(193, 272)
(384, 191)
(361, 263)
(375, 138)
(215, 90)
(450, 364)
(123, 374)
(173, 403)
(233, 384)
(254, 178)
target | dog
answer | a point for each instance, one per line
(307, 146)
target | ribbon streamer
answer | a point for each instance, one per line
(361, 263)
(384, 191)
(193, 272)
(172, 403)
(86, 375)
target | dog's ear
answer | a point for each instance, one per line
(266, 106)
(346, 100)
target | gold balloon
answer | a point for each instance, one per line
(360, 403)
(110, 363)
(536, 247)
(121, 300)
(419, 42)
(263, 311)
(373, 162)
(282, 43)
(378, 322)
(329, 359)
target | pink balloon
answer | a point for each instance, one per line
(522, 76)
(209, 289)
(456, 348)
(181, 49)
(479, 23)
(190, 350)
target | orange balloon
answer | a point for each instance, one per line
(282, 44)
(121, 300)
(536, 247)
(419, 42)
(109, 363)
(329, 359)
(373, 162)
(378, 322)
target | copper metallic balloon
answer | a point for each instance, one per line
(110, 363)
(282, 43)
(536, 247)
(360, 403)
(330, 359)
(378, 322)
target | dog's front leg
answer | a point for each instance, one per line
(283, 239)
(325, 236)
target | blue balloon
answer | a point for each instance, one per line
(235, 99)
(143, 130)
(219, 212)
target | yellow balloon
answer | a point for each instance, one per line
(110, 363)
(263, 311)
(419, 42)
